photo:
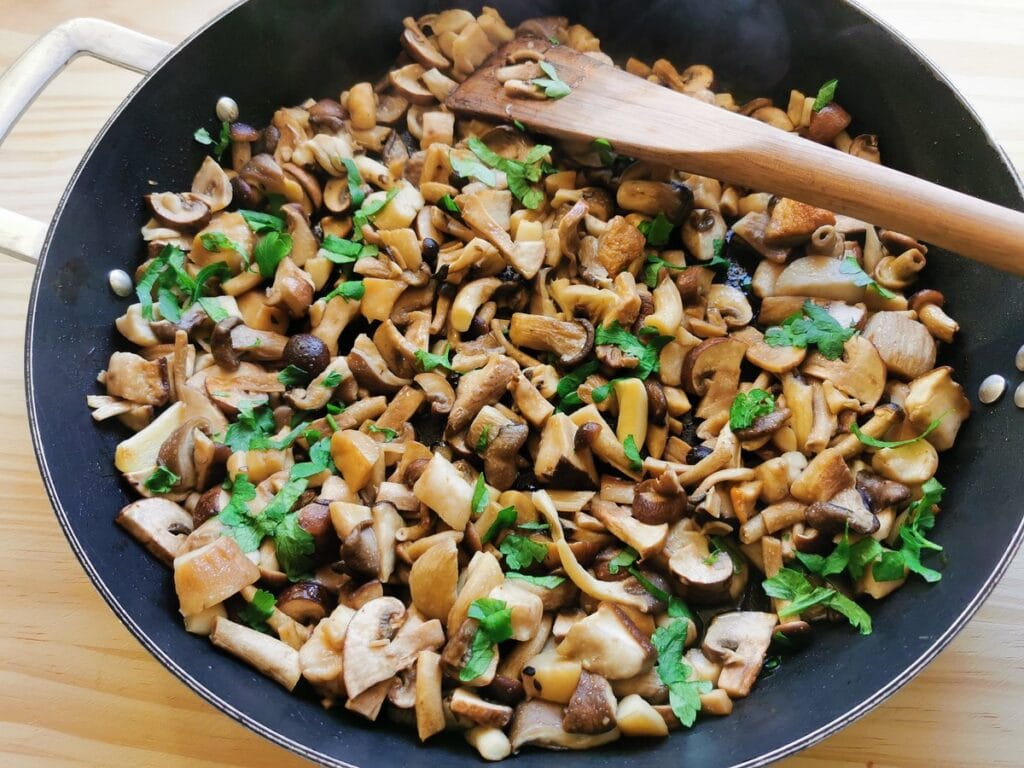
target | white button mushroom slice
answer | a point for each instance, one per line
(592, 706)
(211, 574)
(369, 702)
(936, 395)
(539, 723)
(320, 657)
(160, 525)
(739, 641)
(273, 658)
(365, 658)
(608, 643)
(703, 578)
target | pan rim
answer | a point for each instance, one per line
(796, 745)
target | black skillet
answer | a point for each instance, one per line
(267, 53)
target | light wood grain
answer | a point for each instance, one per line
(75, 687)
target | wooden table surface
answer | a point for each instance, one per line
(75, 687)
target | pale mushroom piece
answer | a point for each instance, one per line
(539, 723)
(636, 717)
(608, 643)
(645, 539)
(159, 524)
(139, 452)
(739, 641)
(273, 658)
(366, 661)
(433, 579)
(212, 573)
(936, 395)
(468, 704)
(491, 743)
(905, 345)
(860, 372)
(482, 575)
(430, 718)
(560, 462)
(444, 490)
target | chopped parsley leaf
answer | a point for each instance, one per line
(748, 406)
(812, 325)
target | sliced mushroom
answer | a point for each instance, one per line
(211, 574)
(273, 658)
(859, 373)
(739, 641)
(881, 493)
(571, 341)
(180, 211)
(467, 704)
(560, 463)
(479, 388)
(360, 554)
(159, 524)
(539, 723)
(704, 578)
(501, 453)
(608, 643)
(935, 395)
(370, 370)
(845, 510)
(645, 539)
(306, 602)
(212, 185)
(592, 706)
(905, 345)
(365, 657)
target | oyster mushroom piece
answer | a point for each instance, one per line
(645, 539)
(478, 388)
(703, 578)
(821, 277)
(275, 659)
(570, 340)
(539, 722)
(608, 643)
(444, 490)
(905, 345)
(859, 373)
(933, 395)
(501, 453)
(158, 524)
(592, 706)
(739, 642)
(560, 462)
(212, 185)
(370, 370)
(134, 378)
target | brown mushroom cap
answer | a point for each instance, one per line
(179, 210)
(704, 577)
(655, 503)
(501, 453)
(306, 601)
(592, 706)
(881, 493)
(307, 352)
(360, 554)
(832, 518)
(221, 345)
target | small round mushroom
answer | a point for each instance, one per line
(657, 502)
(306, 601)
(307, 352)
(227, 109)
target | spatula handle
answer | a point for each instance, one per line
(785, 164)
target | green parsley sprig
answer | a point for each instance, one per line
(811, 325)
(747, 407)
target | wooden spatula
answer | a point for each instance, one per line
(649, 122)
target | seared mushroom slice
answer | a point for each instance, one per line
(859, 373)
(182, 211)
(905, 345)
(305, 601)
(704, 578)
(793, 222)
(571, 340)
(211, 574)
(935, 395)
(539, 722)
(212, 185)
(160, 525)
(592, 706)
(739, 642)
(501, 453)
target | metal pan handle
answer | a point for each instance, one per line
(20, 236)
